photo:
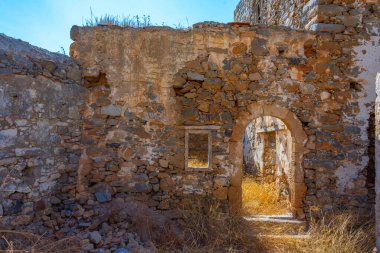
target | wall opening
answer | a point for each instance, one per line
(198, 147)
(198, 150)
(267, 149)
(297, 137)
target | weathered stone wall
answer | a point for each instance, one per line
(157, 80)
(69, 151)
(41, 100)
(354, 28)
(243, 11)
(292, 13)
(316, 15)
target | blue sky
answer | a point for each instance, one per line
(47, 23)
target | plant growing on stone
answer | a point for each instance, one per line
(123, 21)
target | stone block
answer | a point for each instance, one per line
(195, 77)
(351, 21)
(48, 65)
(142, 187)
(204, 106)
(8, 137)
(10, 188)
(74, 33)
(74, 73)
(95, 237)
(103, 197)
(190, 113)
(191, 95)
(91, 73)
(259, 47)
(111, 110)
(179, 82)
(163, 163)
(8, 161)
(330, 10)
(255, 76)
(212, 84)
(331, 28)
(28, 152)
(325, 95)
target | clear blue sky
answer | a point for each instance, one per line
(47, 23)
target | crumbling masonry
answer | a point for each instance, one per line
(116, 121)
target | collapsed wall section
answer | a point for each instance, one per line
(41, 100)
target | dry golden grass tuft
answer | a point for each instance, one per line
(344, 233)
(196, 163)
(25, 242)
(262, 198)
(208, 231)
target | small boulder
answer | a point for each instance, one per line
(95, 237)
(195, 77)
(103, 197)
(164, 163)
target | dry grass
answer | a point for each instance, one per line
(126, 21)
(343, 233)
(262, 198)
(25, 242)
(335, 233)
(122, 21)
(196, 163)
(208, 231)
(212, 232)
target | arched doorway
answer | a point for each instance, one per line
(299, 139)
(267, 153)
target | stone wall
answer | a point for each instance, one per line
(324, 16)
(292, 13)
(147, 84)
(41, 100)
(243, 11)
(351, 30)
(73, 151)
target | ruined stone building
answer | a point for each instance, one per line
(165, 116)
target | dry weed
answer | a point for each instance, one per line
(212, 232)
(343, 233)
(25, 242)
(209, 231)
(262, 198)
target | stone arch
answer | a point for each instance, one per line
(299, 140)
